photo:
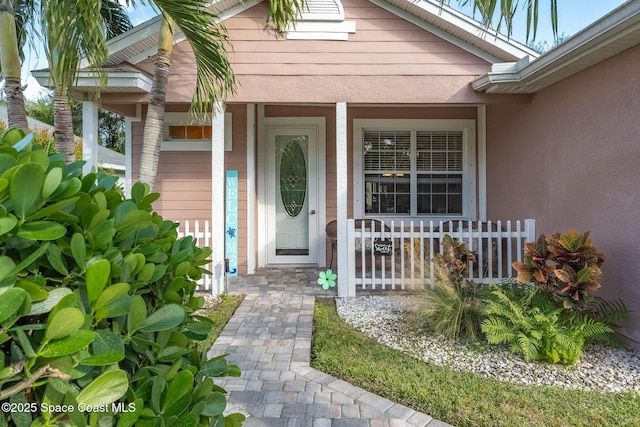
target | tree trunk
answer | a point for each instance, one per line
(64, 126)
(154, 122)
(15, 104)
(10, 67)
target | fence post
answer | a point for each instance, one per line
(530, 230)
(347, 286)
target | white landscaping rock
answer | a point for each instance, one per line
(601, 368)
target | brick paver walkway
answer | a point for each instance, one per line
(269, 338)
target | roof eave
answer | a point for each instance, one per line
(473, 36)
(614, 33)
(87, 81)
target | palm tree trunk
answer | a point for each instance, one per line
(10, 67)
(154, 122)
(64, 125)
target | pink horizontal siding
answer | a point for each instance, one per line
(386, 60)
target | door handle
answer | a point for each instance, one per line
(312, 212)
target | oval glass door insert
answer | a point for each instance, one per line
(293, 178)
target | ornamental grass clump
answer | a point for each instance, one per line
(97, 301)
(452, 306)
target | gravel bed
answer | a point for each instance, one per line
(601, 368)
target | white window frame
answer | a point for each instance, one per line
(185, 119)
(469, 188)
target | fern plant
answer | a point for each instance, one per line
(532, 326)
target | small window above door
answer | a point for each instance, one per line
(183, 133)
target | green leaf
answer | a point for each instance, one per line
(215, 404)
(67, 189)
(36, 292)
(139, 218)
(79, 250)
(64, 322)
(137, 314)
(129, 418)
(8, 273)
(105, 389)
(7, 161)
(54, 298)
(97, 276)
(51, 182)
(107, 348)
(218, 367)
(4, 189)
(54, 255)
(234, 420)
(180, 386)
(42, 230)
(138, 191)
(584, 275)
(113, 302)
(157, 389)
(53, 209)
(7, 224)
(69, 344)
(20, 418)
(11, 302)
(25, 189)
(163, 319)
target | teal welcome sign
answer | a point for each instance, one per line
(231, 221)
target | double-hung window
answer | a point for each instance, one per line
(414, 168)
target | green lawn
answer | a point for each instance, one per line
(219, 312)
(458, 398)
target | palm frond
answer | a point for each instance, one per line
(115, 17)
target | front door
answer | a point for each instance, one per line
(292, 195)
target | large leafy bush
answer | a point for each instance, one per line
(97, 323)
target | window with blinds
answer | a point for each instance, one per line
(413, 172)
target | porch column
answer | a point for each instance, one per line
(217, 199)
(251, 188)
(482, 162)
(128, 148)
(89, 136)
(345, 289)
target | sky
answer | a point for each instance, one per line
(573, 16)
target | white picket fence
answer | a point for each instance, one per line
(203, 235)
(410, 248)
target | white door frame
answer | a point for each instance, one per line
(317, 236)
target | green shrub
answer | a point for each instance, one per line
(567, 268)
(453, 306)
(97, 303)
(531, 324)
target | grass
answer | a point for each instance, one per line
(458, 398)
(219, 312)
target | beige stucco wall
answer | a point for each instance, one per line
(571, 160)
